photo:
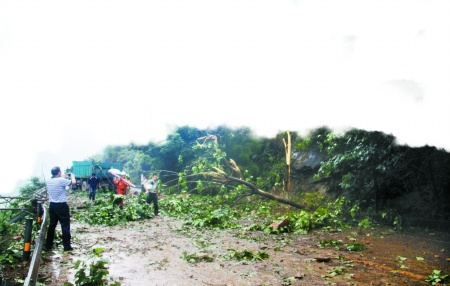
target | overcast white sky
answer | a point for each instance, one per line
(76, 76)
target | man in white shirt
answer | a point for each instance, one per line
(59, 209)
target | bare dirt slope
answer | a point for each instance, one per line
(151, 252)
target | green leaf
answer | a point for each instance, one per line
(98, 250)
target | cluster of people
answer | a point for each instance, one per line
(148, 186)
(59, 209)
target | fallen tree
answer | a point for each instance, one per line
(225, 178)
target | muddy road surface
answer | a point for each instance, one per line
(156, 252)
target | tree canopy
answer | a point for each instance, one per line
(367, 167)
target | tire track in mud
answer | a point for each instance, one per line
(392, 269)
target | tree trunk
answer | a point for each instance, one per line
(257, 191)
(288, 148)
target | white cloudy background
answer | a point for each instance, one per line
(76, 76)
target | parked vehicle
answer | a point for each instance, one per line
(84, 169)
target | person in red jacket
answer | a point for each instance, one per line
(122, 187)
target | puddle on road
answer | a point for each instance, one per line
(57, 267)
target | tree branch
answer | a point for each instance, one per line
(223, 176)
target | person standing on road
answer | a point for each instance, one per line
(152, 189)
(59, 209)
(93, 182)
(122, 187)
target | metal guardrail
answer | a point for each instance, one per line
(33, 271)
(36, 196)
(37, 199)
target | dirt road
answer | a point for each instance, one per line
(151, 252)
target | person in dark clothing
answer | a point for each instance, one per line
(59, 209)
(93, 182)
(152, 188)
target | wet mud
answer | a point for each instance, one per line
(152, 252)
